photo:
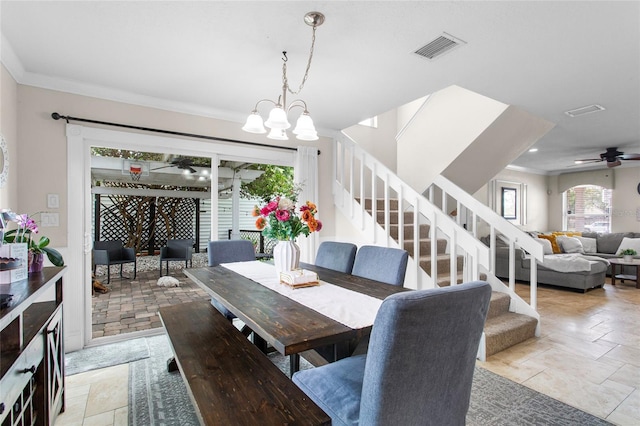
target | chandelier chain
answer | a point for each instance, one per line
(285, 80)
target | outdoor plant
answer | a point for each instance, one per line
(280, 219)
(628, 252)
(27, 227)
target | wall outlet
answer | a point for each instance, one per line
(53, 201)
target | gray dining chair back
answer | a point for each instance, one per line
(228, 251)
(336, 256)
(113, 253)
(384, 264)
(177, 250)
(420, 364)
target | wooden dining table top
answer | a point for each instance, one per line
(287, 325)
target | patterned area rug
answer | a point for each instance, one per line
(159, 398)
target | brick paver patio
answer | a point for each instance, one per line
(132, 305)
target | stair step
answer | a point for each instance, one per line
(444, 263)
(499, 304)
(393, 217)
(393, 204)
(408, 230)
(506, 330)
(444, 281)
(425, 246)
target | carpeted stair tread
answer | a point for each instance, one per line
(499, 304)
(443, 279)
(506, 330)
(425, 246)
(408, 230)
(443, 263)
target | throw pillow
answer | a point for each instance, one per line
(552, 240)
(629, 243)
(588, 244)
(546, 246)
(570, 244)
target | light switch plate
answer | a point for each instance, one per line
(53, 201)
(49, 220)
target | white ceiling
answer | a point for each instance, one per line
(217, 58)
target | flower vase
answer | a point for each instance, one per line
(286, 256)
(36, 261)
(628, 258)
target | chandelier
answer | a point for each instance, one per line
(278, 121)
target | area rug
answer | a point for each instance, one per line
(105, 356)
(159, 398)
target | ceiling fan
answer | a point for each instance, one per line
(181, 163)
(612, 156)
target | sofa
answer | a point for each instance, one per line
(605, 246)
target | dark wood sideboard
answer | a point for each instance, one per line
(32, 350)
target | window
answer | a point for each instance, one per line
(587, 209)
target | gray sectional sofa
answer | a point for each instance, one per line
(607, 246)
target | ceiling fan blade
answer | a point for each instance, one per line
(630, 157)
(163, 167)
(191, 169)
(590, 160)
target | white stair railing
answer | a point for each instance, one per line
(358, 176)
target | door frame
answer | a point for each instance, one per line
(80, 139)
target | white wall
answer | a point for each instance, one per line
(9, 129)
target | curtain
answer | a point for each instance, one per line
(306, 176)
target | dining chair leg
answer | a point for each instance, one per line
(294, 363)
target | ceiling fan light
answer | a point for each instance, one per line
(254, 124)
(304, 124)
(614, 163)
(277, 119)
(278, 134)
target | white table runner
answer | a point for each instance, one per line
(353, 309)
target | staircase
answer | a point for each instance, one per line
(503, 328)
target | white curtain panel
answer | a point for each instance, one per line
(306, 175)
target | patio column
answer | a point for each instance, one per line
(235, 207)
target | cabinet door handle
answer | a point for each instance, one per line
(30, 370)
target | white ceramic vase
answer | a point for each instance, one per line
(286, 256)
(628, 258)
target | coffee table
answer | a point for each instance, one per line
(621, 262)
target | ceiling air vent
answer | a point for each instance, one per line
(440, 45)
(584, 110)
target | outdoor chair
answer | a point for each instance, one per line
(384, 264)
(336, 256)
(177, 251)
(113, 253)
(421, 363)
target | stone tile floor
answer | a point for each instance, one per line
(132, 304)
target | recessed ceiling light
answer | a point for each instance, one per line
(533, 150)
(584, 110)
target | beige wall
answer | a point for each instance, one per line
(42, 161)
(9, 129)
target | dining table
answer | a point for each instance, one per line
(286, 318)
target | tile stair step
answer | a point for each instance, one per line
(506, 330)
(408, 230)
(425, 246)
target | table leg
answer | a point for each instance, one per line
(613, 274)
(638, 276)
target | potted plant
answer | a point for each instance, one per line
(37, 248)
(627, 254)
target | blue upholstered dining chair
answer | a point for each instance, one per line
(384, 264)
(420, 365)
(336, 256)
(228, 251)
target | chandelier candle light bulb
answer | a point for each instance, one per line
(278, 121)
